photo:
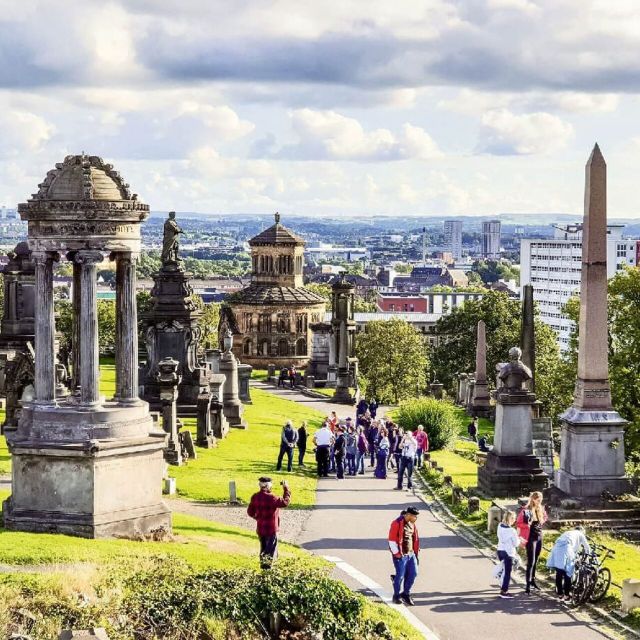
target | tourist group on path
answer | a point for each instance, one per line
(344, 447)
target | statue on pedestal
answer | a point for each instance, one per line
(170, 243)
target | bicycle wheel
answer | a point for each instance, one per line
(579, 587)
(601, 586)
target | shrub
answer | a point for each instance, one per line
(437, 417)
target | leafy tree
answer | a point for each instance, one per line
(455, 352)
(393, 360)
(403, 268)
(491, 271)
(208, 322)
(323, 290)
(106, 324)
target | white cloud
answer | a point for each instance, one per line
(505, 133)
(22, 132)
(329, 135)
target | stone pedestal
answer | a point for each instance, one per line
(436, 389)
(320, 348)
(511, 469)
(91, 479)
(213, 359)
(244, 378)
(592, 454)
(168, 380)
(205, 437)
(462, 389)
(232, 405)
(332, 376)
(171, 330)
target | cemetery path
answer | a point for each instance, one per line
(454, 595)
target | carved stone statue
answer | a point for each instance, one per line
(170, 240)
(515, 374)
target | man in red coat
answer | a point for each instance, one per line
(404, 545)
(264, 508)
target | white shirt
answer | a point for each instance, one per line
(323, 437)
(507, 539)
(409, 446)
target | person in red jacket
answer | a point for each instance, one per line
(264, 508)
(404, 545)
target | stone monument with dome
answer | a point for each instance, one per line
(271, 318)
(83, 464)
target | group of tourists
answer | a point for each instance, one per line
(528, 535)
(345, 446)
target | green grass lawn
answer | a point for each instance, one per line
(244, 456)
(485, 426)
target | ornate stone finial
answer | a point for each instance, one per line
(277, 217)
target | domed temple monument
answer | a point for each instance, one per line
(271, 319)
(82, 464)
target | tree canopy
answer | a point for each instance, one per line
(393, 360)
(456, 349)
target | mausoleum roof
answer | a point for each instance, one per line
(82, 177)
(256, 294)
(276, 234)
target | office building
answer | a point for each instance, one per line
(554, 266)
(491, 239)
(453, 237)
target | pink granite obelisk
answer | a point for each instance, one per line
(592, 441)
(480, 403)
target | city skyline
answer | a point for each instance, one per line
(426, 108)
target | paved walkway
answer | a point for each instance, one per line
(454, 587)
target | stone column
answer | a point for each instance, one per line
(527, 334)
(126, 329)
(75, 331)
(89, 355)
(45, 327)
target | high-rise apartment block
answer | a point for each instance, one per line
(453, 237)
(491, 239)
(554, 265)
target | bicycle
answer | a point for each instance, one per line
(591, 580)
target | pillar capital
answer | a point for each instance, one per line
(41, 257)
(88, 256)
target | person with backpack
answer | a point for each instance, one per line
(472, 429)
(282, 378)
(288, 441)
(292, 376)
(404, 544)
(372, 439)
(352, 450)
(362, 408)
(530, 521)
(373, 408)
(363, 447)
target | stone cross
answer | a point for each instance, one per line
(592, 385)
(527, 334)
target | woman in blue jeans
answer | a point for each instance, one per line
(361, 454)
(508, 542)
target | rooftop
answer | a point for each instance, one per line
(276, 234)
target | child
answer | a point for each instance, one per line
(508, 542)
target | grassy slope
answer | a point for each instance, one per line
(244, 456)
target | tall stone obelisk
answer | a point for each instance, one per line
(480, 402)
(527, 335)
(592, 444)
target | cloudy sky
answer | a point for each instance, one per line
(395, 107)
